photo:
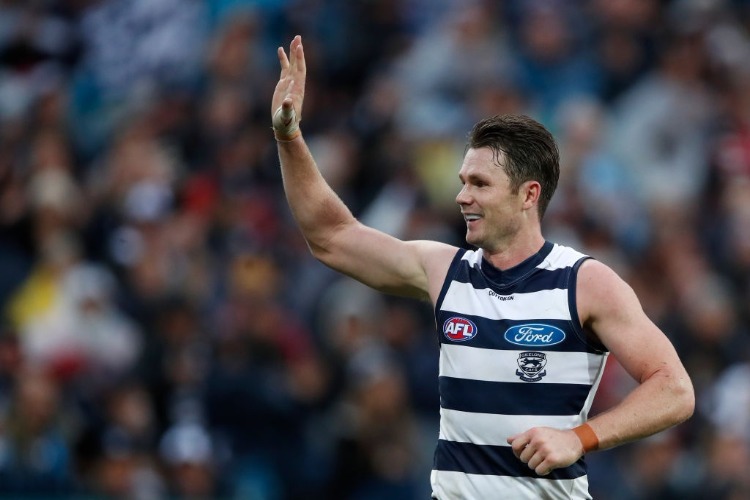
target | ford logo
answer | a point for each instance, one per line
(534, 335)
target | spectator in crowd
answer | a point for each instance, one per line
(37, 456)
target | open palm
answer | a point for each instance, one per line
(286, 105)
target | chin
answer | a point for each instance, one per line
(473, 240)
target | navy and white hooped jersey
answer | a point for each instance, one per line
(513, 356)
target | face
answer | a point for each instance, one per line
(493, 213)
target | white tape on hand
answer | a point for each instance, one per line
(285, 124)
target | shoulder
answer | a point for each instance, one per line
(561, 256)
(601, 292)
(431, 251)
(436, 259)
(595, 276)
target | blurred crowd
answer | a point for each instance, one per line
(164, 331)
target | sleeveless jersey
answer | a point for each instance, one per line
(513, 355)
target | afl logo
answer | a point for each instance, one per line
(459, 329)
(534, 335)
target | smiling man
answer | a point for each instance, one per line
(525, 325)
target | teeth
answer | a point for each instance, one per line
(471, 217)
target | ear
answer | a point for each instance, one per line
(530, 192)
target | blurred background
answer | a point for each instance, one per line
(164, 331)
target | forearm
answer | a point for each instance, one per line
(660, 402)
(314, 205)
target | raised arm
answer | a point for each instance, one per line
(335, 237)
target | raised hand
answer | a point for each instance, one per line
(286, 105)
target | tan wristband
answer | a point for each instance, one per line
(588, 437)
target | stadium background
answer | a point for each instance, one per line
(165, 332)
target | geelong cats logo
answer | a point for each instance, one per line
(531, 366)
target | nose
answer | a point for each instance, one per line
(463, 198)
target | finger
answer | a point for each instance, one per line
(283, 60)
(289, 87)
(292, 54)
(287, 105)
(535, 461)
(512, 438)
(286, 113)
(544, 468)
(285, 122)
(527, 453)
(518, 443)
(301, 65)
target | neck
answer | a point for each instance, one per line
(512, 253)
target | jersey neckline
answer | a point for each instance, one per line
(513, 274)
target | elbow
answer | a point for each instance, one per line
(320, 252)
(323, 243)
(689, 405)
(684, 400)
(317, 252)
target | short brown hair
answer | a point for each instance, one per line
(530, 151)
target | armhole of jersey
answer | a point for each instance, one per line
(446, 283)
(573, 306)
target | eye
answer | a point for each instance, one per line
(474, 181)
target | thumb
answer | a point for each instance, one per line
(285, 122)
(288, 103)
(287, 111)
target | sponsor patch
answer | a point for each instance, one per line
(534, 335)
(459, 329)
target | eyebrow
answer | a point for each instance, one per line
(473, 177)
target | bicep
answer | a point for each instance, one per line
(381, 261)
(611, 310)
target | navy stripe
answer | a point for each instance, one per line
(537, 280)
(512, 398)
(455, 264)
(491, 334)
(494, 460)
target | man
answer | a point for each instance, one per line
(526, 324)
